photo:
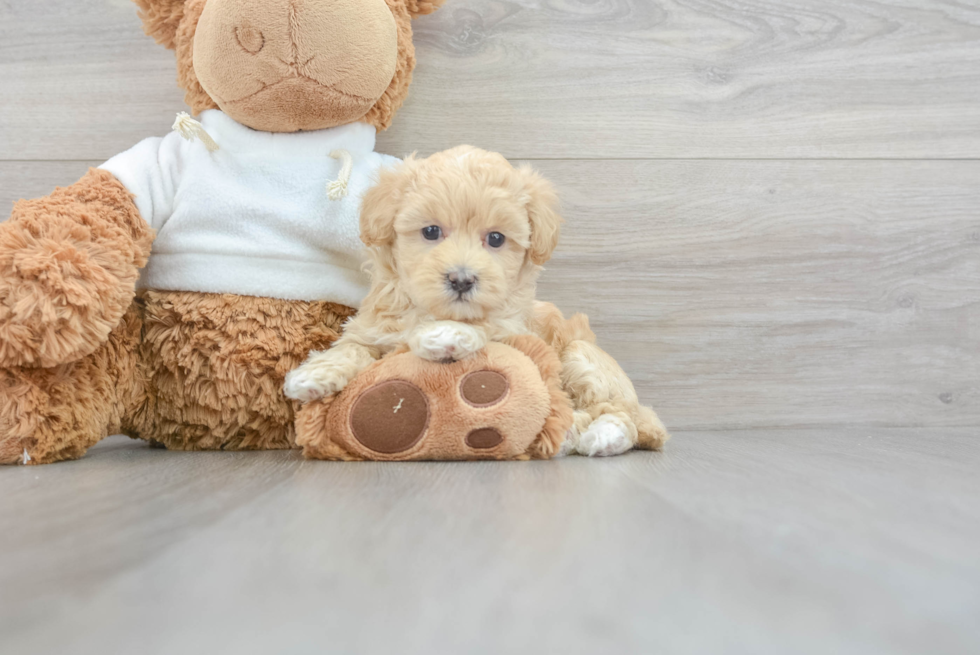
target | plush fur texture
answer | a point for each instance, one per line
(57, 413)
(191, 371)
(325, 63)
(68, 269)
(214, 366)
(532, 418)
(461, 197)
(174, 24)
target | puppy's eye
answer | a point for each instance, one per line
(495, 239)
(432, 233)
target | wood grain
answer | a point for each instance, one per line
(754, 294)
(34, 179)
(747, 294)
(820, 541)
(564, 79)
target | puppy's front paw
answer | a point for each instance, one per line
(312, 381)
(447, 341)
(605, 436)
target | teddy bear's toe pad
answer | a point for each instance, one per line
(390, 417)
(484, 438)
(484, 388)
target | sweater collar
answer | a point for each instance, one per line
(356, 138)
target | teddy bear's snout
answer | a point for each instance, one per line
(290, 65)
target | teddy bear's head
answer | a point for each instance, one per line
(290, 65)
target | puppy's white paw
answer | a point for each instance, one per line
(568, 447)
(446, 340)
(605, 436)
(580, 422)
(312, 381)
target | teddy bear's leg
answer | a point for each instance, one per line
(215, 365)
(68, 268)
(57, 413)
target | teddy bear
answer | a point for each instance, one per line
(166, 294)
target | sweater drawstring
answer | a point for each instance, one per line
(337, 189)
(189, 128)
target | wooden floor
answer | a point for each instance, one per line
(768, 541)
(773, 219)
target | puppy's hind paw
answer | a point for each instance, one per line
(606, 436)
(568, 445)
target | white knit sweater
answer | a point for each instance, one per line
(254, 217)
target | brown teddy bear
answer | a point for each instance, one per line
(252, 217)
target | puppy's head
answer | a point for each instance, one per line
(463, 233)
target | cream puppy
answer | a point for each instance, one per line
(456, 245)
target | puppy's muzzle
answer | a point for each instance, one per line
(460, 281)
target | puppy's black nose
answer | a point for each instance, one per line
(461, 281)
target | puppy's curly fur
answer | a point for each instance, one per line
(457, 241)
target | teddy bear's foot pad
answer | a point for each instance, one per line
(491, 405)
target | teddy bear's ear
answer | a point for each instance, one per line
(422, 7)
(543, 212)
(161, 18)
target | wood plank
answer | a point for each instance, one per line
(606, 79)
(782, 541)
(748, 294)
(754, 294)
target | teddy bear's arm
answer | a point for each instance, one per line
(68, 269)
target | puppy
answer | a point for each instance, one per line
(456, 244)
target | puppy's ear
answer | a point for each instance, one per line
(161, 18)
(542, 210)
(382, 202)
(421, 7)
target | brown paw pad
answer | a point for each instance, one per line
(483, 388)
(390, 417)
(484, 438)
